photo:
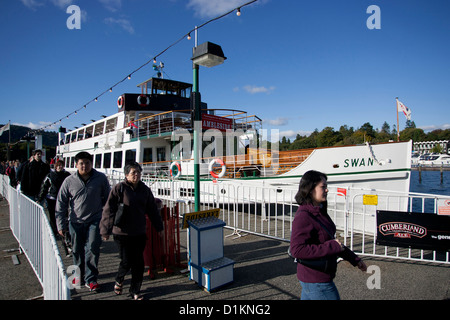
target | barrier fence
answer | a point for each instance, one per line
(269, 212)
(260, 210)
(31, 228)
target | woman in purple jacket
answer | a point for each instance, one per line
(312, 240)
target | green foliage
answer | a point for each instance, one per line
(329, 137)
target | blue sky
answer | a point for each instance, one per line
(298, 65)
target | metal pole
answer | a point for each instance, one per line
(197, 143)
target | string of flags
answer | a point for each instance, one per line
(187, 35)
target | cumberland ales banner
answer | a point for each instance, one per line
(413, 230)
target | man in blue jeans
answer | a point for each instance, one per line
(79, 210)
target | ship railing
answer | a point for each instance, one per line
(171, 121)
(31, 228)
(253, 164)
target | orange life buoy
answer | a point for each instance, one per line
(140, 102)
(178, 169)
(120, 102)
(220, 162)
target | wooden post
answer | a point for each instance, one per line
(420, 173)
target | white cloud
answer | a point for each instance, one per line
(213, 8)
(31, 4)
(435, 127)
(35, 126)
(255, 89)
(277, 121)
(62, 4)
(112, 5)
(123, 23)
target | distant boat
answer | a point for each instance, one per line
(434, 160)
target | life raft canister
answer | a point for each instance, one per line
(222, 172)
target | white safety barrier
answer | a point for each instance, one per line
(30, 226)
(269, 212)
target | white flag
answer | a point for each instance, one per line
(4, 128)
(402, 108)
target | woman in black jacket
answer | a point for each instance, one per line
(137, 201)
(49, 190)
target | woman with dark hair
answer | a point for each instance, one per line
(137, 201)
(313, 243)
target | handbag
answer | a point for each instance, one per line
(324, 264)
(120, 217)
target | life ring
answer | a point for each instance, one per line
(222, 173)
(139, 100)
(178, 169)
(120, 102)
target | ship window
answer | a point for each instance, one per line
(80, 135)
(148, 155)
(130, 156)
(111, 125)
(74, 137)
(89, 132)
(161, 154)
(107, 160)
(117, 163)
(98, 161)
(67, 162)
(67, 138)
(72, 162)
(99, 129)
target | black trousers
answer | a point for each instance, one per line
(131, 254)
(51, 205)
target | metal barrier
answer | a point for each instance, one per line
(269, 212)
(30, 226)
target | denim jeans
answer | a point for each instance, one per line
(319, 291)
(86, 242)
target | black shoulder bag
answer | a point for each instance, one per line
(324, 264)
(120, 217)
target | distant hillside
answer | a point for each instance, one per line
(17, 132)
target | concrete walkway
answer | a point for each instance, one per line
(262, 271)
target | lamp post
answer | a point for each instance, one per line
(208, 55)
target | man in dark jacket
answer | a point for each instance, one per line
(33, 174)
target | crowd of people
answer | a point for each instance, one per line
(85, 210)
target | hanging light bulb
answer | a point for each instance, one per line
(129, 76)
(238, 12)
(189, 36)
(110, 89)
(96, 99)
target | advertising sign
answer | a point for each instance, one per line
(210, 121)
(199, 215)
(413, 230)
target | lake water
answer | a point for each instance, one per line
(431, 182)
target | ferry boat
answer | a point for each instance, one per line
(154, 128)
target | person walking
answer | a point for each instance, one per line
(79, 208)
(129, 231)
(49, 192)
(313, 243)
(33, 174)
